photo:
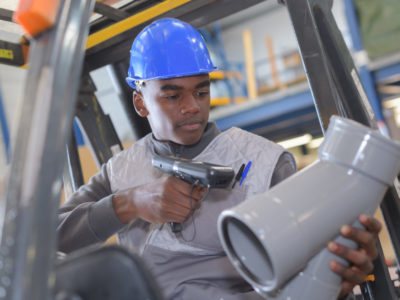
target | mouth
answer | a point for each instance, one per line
(191, 126)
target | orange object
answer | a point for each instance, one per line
(36, 16)
(370, 278)
(25, 47)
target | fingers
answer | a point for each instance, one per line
(371, 224)
(177, 212)
(171, 211)
(198, 193)
(186, 189)
(350, 274)
(179, 199)
(365, 238)
(358, 258)
(361, 266)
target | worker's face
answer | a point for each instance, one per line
(177, 108)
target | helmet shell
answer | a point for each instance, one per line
(168, 48)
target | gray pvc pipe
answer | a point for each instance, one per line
(277, 240)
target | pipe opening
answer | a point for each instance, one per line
(247, 252)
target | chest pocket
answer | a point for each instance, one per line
(200, 230)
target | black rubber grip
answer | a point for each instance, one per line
(175, 227)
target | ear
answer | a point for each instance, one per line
(138, 103)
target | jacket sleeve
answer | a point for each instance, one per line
(285, 167)
(88, 216)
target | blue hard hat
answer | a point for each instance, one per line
(168, 48)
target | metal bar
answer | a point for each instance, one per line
(196, 12)
(365, 74)
(110, 12)
(73, 176)
(272, 62)
(379, 287)
(391, 214)
(96, 125)
(139, 125)
(366, 290)
(335, 85)
(315, 62)
(347, 84)
(29, 213)
(219, 47)
(132, 21)
(356, 106)
(130, 8)
(6, 15)
(353, 97)
(266, 110)
(249, 59)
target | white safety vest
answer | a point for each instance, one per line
(195, 253)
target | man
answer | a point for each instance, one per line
(169, 74)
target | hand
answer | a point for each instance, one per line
(360, 259)
(168, 199)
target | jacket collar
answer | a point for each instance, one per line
(186, 151)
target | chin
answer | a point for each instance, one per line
(189, 140)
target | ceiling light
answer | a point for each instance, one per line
(297, 141)
(391, 103)
(397, 116)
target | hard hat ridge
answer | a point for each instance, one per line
(168, 48)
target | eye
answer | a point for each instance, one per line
(172, 97)
(203, 93)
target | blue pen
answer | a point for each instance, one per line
(246, 170)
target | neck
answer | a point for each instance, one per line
(187, 151)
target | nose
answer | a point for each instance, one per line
(189, 104)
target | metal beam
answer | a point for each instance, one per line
(28, 214)
(110, 44)
(265, 111)
(96, 125)
(73, 175)
(110, 12)
(336, 87)
(386, 73)
(6, 15)
(124, 25)
(131, 8)
(140, 126)
(365, 74)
